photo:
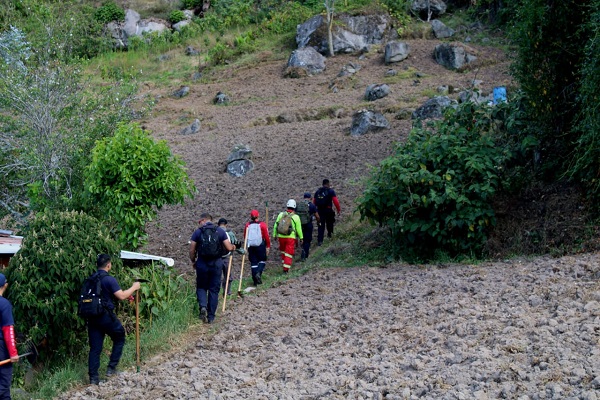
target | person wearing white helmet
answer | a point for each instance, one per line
(288, 229)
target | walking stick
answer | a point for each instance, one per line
(227, 281)
(243, 259)
(137, 324)
(137, 329)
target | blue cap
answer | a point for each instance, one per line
(307, 195)
(2, 279)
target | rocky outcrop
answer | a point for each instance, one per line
(308, 59)
(440, 30)
(134, 25)
(351, 34)
(376, 92)
(365, 121)
(453, 56)
(422, 8)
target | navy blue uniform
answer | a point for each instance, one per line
(6, 318)
(208, 275)
(105, 324)
(307, 230)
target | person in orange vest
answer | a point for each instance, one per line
(288, 229)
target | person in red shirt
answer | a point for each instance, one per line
(325, 198)
(259, 245)
(8, 345)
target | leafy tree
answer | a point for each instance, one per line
(130, 176)
(329, 10)
(435, 193)
(52, 119)
(58, 252)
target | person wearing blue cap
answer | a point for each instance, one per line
(307, 211)
(8, 344)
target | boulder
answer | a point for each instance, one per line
(180, 25)
(433, 108)
(376, 92)
(440, 30)
(239, 168)
(239, 152)
(396, 52)
(423, 7)
(349, 70)
(190, 130)
(452, 56)
(221, 98)
(351, 34)
(181, 92)
(133, 25)
(365, 121)
(307, 58)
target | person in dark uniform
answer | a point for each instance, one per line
(8, 346)
(208, 269)
(307, 229)
(107, 323)
(325, 198)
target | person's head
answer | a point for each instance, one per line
(3, 281)
(326, 182)
(222, 222)
(254, 215)
(204, 218)
(291, 205)
(102, 261)
(307, 195)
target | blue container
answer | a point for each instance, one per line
(499, 94)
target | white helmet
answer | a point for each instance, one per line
(291, 204)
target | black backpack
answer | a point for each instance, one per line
(210, 245)
(90, 300)
(323, 198)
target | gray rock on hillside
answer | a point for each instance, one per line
(239, 161)
(133, 25)
(396, 52)
(440, 30)
(351, 34)
(452, 56)
(221, 98)
(307, 59)
(433, 108)
(190, 130)
(181, 92)
(376, 92)
(365, 121)
(423, 7)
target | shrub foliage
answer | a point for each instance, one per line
(435, 192)
(131, 176)
(58, 252)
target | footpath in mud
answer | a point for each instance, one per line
(521, 329)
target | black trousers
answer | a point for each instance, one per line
(307, 232)
(327, 219)
(98, 328)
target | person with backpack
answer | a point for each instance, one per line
(307, 211)
(289, 230)
(259, 245)
(207, 246)
(105, 322)
(222, 223)
(325, 198)
(8, 344)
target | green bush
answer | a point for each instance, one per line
(59, 251)
(287, 18)
(108, 12)
(190, 4)
(176, 16)
(435, 192)
(130, 177)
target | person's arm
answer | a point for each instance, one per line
(125, 294)
(336, 203)
(298, 227)
(275, 226)
(265, 234)
(228, 245)
(8, 332)
(192, 252)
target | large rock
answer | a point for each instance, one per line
(307, 59)
(433, 108)
(133, 25)
(351, 34)
(365, 121)
(452, 56)
(423, 7)
(238, 161)
(376, 92)
(440, 30)
(396, 52)
(239, 152)
(191, 129)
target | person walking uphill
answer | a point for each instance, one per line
(8, 345)
(233, 239)
(207, 246)
(107, 322)
(259, 245)
(325, 198)
(288, 229)
(307, 211)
